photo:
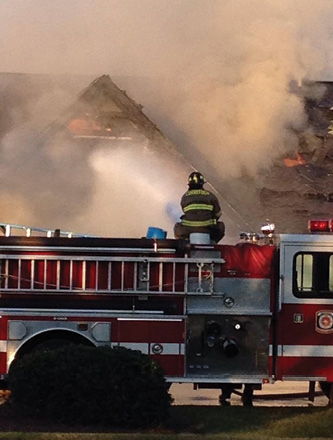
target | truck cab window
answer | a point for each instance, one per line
(304, 273)
(313, 275)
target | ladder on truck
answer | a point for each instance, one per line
(107, 274)
(66, 273)
(28, 231)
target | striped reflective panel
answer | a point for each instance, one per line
(199, 223)
(3, 346)
(146, 348)
(303, 350)
(196, 192)
(279, 350)
(308, 350)
(196, 206)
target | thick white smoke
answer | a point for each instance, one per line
(214, 76)
(227, 87)
(133, 192)
(43, 182)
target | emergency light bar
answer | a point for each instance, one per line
(320, 225)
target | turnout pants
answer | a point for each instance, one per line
(216, 232)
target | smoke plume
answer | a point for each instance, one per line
(133, 192)
(215, 76)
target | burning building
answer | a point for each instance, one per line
(89, 160)
(300, 186)
(81, 120)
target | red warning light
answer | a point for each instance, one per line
(320, 225)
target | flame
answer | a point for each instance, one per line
(84, 126)
(294, 162)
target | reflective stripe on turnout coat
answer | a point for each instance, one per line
(201, 208)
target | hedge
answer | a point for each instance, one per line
(79, 384)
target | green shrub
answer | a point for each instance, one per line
(80, 384)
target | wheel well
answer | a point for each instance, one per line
(52, 338)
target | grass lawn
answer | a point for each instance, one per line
(190, 423)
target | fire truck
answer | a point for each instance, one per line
(213, 315)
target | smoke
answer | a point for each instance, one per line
(41, 180)
(51, 182)
(133, 192)
(215, 76)
(47, 179)
(229, 100)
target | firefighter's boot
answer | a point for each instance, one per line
(247, 397)
(225, 395)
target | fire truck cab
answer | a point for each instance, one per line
(211, 315)
(304, 328)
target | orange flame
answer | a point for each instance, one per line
(84, 126)
(294, 162)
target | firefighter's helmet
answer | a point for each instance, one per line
(196, 179)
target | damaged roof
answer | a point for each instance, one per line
(103, 112)
(295, 189)
(304, 190)
(99, 112)
(299, 186)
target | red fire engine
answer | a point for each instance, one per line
(212, 315)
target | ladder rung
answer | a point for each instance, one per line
(7, 228)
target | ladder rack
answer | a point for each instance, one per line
(108, 274)
(7, 229)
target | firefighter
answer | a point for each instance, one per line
(201, 210)
(228, 389)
